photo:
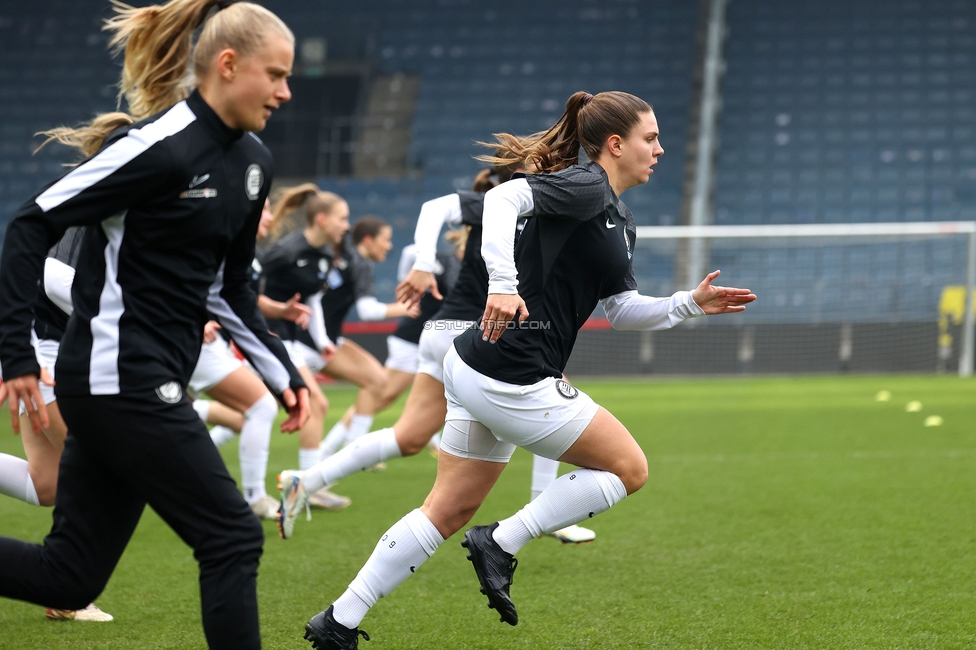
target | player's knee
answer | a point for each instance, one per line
(46, 487)
(318, 404)
(634, 474)
(265, 409)
(412, 442)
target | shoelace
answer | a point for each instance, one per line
(511, 575)
(363, 633)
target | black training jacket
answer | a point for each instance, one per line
(173, 203)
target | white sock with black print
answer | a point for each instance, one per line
(398, 554)
(357, 456)
(571, 498)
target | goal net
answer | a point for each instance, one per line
(883, 297)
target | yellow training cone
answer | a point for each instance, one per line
(933, 421)
(913, 407)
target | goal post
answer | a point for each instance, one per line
(846, 297)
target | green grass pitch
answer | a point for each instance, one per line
(779, 513)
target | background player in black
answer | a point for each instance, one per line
(372, 448)
(349, 284)
(189, 167)
(221, 375)
(575, 250)
(298, 263)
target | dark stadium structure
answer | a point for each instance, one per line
(831, 112)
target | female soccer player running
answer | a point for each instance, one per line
(426, 405)
(170, 200)
(303, 262)
(575, 250)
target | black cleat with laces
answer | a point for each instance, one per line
(326, 633)
(495, 569)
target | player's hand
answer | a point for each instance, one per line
(210, 331)
(720, 300)
(329, 352)
(500, 310)
(25, 388)
(413, 311)
(297, 405)
(296, 311)
(415, 285)
(398, 309)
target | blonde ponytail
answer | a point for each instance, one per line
(157, 42)
(88, 138)
(287, 201)
(290, 199)
(458, 237)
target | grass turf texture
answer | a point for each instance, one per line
(779, 513)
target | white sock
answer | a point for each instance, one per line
(202, 407)
(400, 552)
(307, 458)
(435, 441)
(357, 456)
(571, 498)
(358, 427)
(221, 435)
(544, 471)
(333, 440)
(15, 479)
(255, 442)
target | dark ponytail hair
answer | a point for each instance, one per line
(368, 226)
(587, 123)
(501, 171)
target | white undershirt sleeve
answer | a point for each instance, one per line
(316, 324)
(504, 204)
(407, 258)
(369, 308)
(433, 215)
(628, 310)
(58, 278)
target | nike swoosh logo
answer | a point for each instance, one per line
(610, 224)
(198, 179)
(302, 263)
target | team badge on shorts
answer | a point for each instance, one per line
(566, 389)
(170, 392)
(253, 179)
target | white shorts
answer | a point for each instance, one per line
(302, 355)
(545, 418)
(402, 355)
(215, 364)
(46, 352)
(435, 341)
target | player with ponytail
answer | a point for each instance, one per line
(169, 198)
